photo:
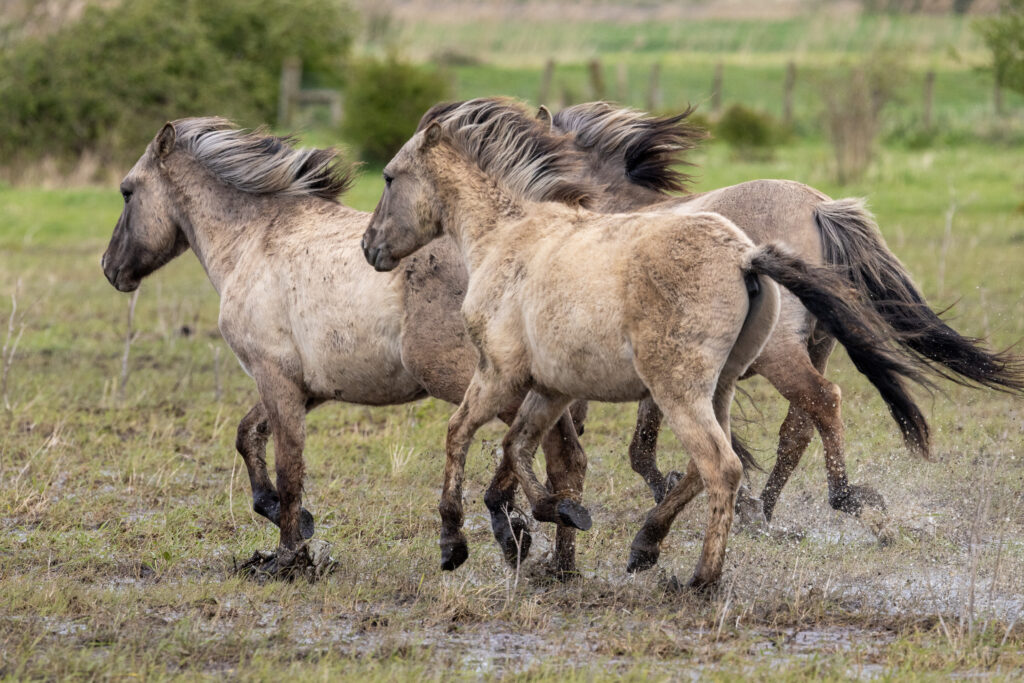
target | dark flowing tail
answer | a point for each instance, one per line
(862, 332)
(852, 241)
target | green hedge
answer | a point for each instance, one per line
(385, 100)
(106, 82)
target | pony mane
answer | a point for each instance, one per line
(256, 162)
(648, 147)
(508, 143)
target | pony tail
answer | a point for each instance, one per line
(861, 331)
(851, 239)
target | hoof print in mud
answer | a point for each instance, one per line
(642, 559)
(572, 514)
(312, 561)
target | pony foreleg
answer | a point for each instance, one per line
(536, 416)
(251, 442)
(567, 468)
(285, 405)
(482, 402)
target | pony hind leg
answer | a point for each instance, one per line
(537, 415)
(719, 470)
(815, 402)
(566, 469)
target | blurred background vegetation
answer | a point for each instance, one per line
(84, 84)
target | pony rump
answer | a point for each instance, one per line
(508, 143)
(259, 163)
(648, 147)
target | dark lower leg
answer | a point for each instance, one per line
(794, 436)
(643, 448)
(646, 546)
(481, 403)
(567, 469)
(251, 442)
(536, 416)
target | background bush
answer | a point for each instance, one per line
(751, 133)
(105, 83)
(384, 101)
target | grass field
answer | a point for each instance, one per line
(123, 515)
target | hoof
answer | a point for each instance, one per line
(700, 585)
(642, 559)
(515, 542)
(853, 499)
(269, 506)
(571, 513)
(454, 553)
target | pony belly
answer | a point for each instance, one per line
(584, 373)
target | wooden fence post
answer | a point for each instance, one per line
(545, 82)
(596, 79)
(929, 91)
(787, 95)
(621, 83)
(291, 79)
(716, 89)
(654, 89)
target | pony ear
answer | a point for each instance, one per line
(432, 135)
(544, 116)
(165, 140)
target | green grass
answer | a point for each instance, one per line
(122, 518)
(516, 39)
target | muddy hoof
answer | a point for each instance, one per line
(700, 585)
(454, 553)
(515, 542)
(642, 559)
(571, 513)
(853, 499)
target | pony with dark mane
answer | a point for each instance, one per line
(568, 303)
(633, 157)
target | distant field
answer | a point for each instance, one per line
(121, 519)
(507, 38)
(497, 51)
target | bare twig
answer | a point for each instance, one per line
(129, 337)
(10, 348)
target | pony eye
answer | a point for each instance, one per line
(387, 180)
(127, 194)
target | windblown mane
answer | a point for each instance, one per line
(649, 147)
(506, 140)
(259, 163)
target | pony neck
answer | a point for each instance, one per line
(472, 206)
(218, 221)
